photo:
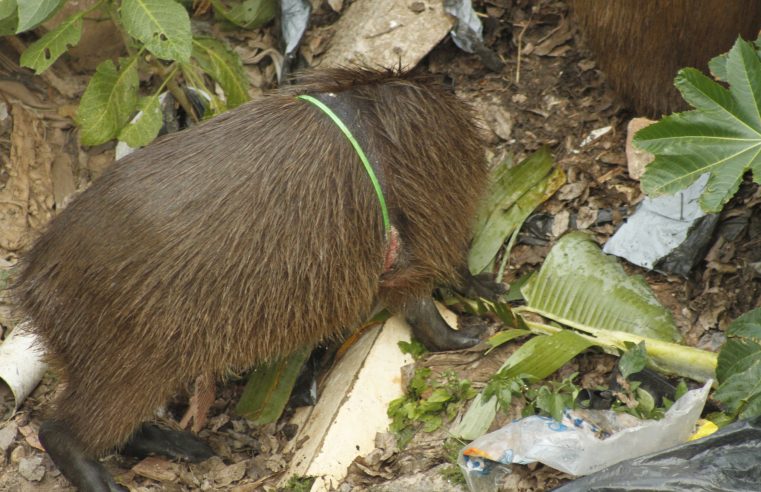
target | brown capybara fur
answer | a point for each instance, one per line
(642, 44)
(245, 238)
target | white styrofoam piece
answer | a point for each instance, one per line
(21, 365)
(352, 406)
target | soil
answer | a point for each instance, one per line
(549, 93)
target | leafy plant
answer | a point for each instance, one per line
(721, 137)
(427, 403)
(739, 367)
(158, 41)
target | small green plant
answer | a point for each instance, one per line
(414, 348)
(429, 400)
(452, 472)
(298, 484)
(159, 46)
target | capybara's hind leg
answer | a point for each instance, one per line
(69, 455)
(151, 439)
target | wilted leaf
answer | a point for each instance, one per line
(515, 193)
(162, 25)
(722, 136)
(146, 125)
(224, 66)
(248, 14)
(578, 285)
(46, 50)
(269, 388)
(108, 101)
(33, 12)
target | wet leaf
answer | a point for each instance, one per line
(46, 50)
(163, 26)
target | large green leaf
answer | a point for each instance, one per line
(162, 25)
(46, 50)
(580, 286)
(146, 125)
(515, 193)
(33, 12)
(269, 387)
(722, 136)
(225, 67)
(108, 102)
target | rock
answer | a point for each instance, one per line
(31, 468)
(637, 159)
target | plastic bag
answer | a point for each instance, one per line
(574, 445)
(727, 461)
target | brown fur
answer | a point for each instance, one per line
(245, 238)
(642, 44)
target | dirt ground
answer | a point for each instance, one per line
(549, 93)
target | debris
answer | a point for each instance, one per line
(386, 33)
(670, 234)
(594, 135)
(157, 469)
(21, 365)
(352, 408)
(574, 445)
(7, 436)
(31, 468)
(725, 460)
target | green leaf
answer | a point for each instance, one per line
(747, 326)
(8, 17)
(544, 354)
(741, 393)
(248, 14)
(514, 194)
(269, 387)
(46, 50)
(633, 360)
(108, 101)
(505, 336)
(163, 26)
(144, 127)
(8, 8)
(580, 286)
(722, 136)
(33, 12)
(224, 66)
